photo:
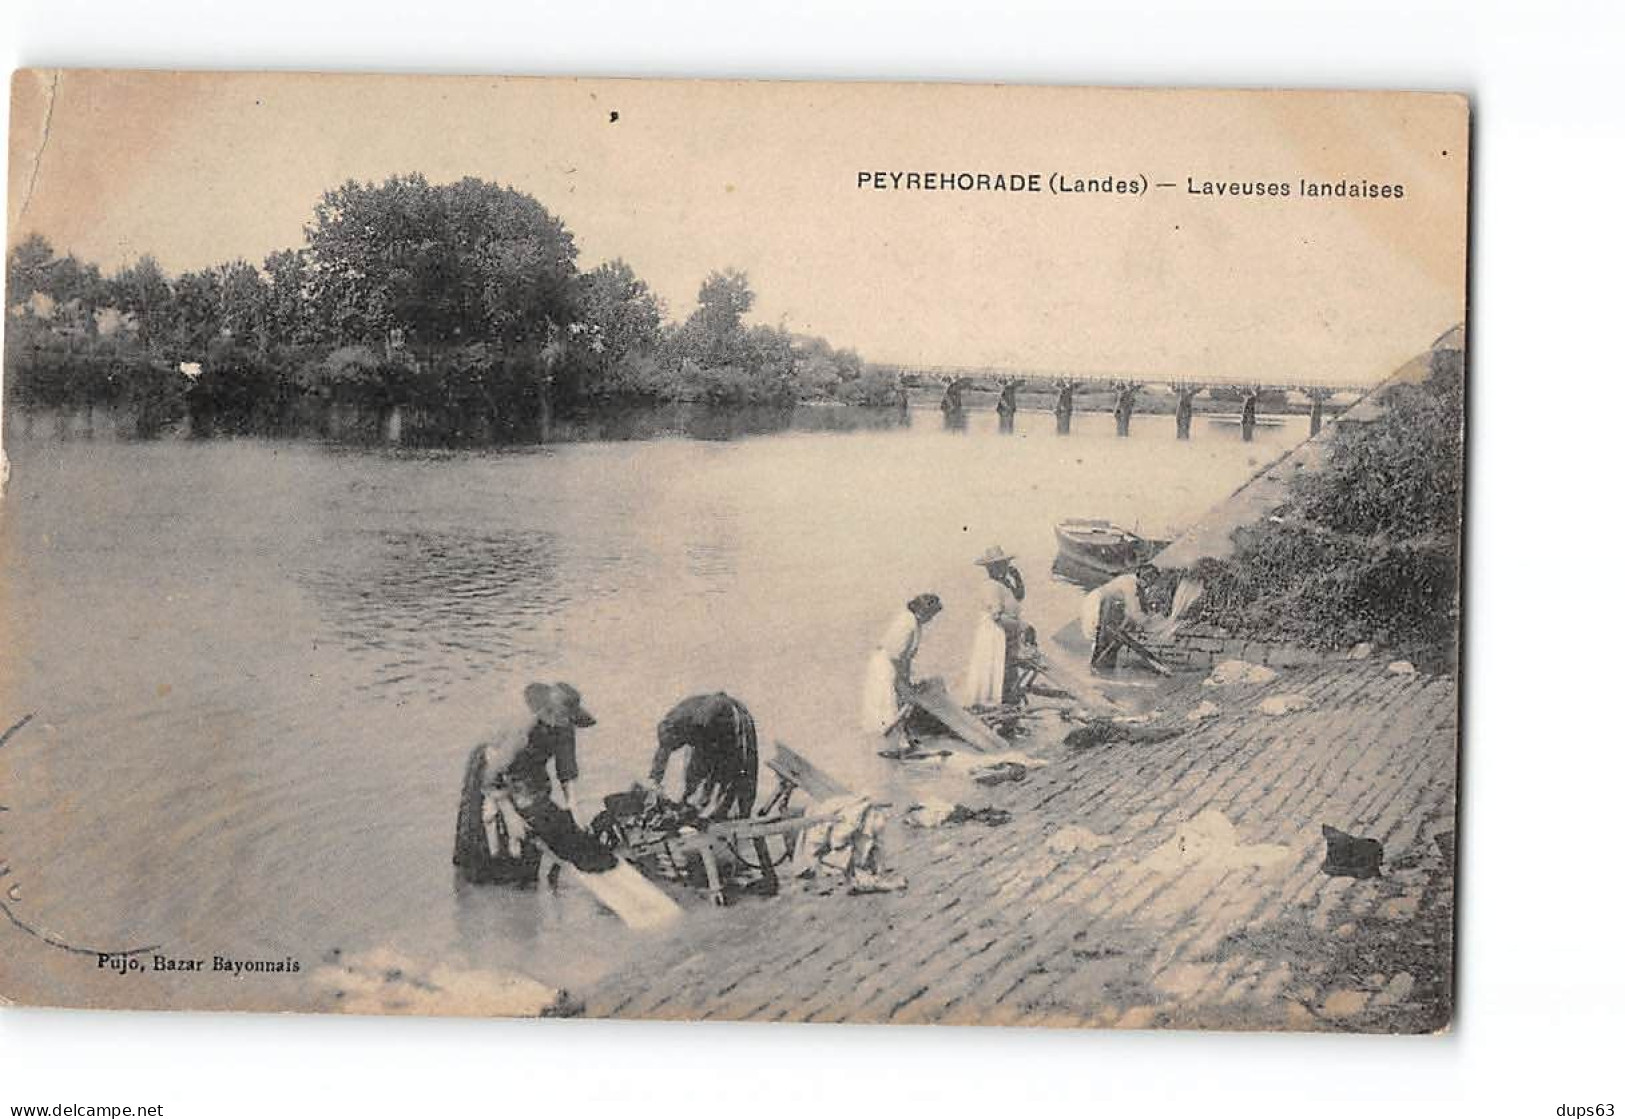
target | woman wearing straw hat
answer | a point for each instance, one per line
(990, 678)
(507, 815)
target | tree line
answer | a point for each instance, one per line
(462, 302)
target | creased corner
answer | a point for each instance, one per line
(51, 81)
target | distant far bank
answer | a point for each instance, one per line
(603, 420)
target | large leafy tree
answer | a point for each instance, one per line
(197, 313)
(715, 333)
(619, 327)
(143, 291)
(623, 314)
(244, 301)
(287, 319)
(74, 291)
(436, 266)
(223, 301)
(28, 269)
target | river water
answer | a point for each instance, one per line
(256, 666)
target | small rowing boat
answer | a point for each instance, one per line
(1093, 551)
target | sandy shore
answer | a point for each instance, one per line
(1137, 884)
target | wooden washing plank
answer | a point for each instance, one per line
(798, 771)
(1145, 654)
(932, 696)
(629, 895)
(1075, 686)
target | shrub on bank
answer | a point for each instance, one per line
(1366, 549)
(870, 387)
(49, 371)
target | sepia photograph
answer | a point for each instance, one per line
(775, 551)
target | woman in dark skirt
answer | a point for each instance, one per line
(507, 818)
(720, 773)
(482, 857)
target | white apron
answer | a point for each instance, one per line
(889, 663)
(984, 675)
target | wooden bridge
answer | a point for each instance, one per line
(1249, 396)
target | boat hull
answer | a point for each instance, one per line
(1090, 553)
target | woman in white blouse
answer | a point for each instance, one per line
(989, 674)
(889, 679)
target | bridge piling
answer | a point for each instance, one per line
(1124, 411)
(1182, 410)
(1063, 409)
(1316, 410)
(1007, 405)
(953, 404)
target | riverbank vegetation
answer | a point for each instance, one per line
(461, 303)
(1367, 548)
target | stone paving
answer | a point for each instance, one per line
(1167, 884)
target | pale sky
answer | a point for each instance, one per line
(693, 176)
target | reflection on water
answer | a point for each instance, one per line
(258, 665)
(699, 421)
(462, 592)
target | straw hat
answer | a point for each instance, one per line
(557, 705)
(992, 556)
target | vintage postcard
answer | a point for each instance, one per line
(737, 550)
